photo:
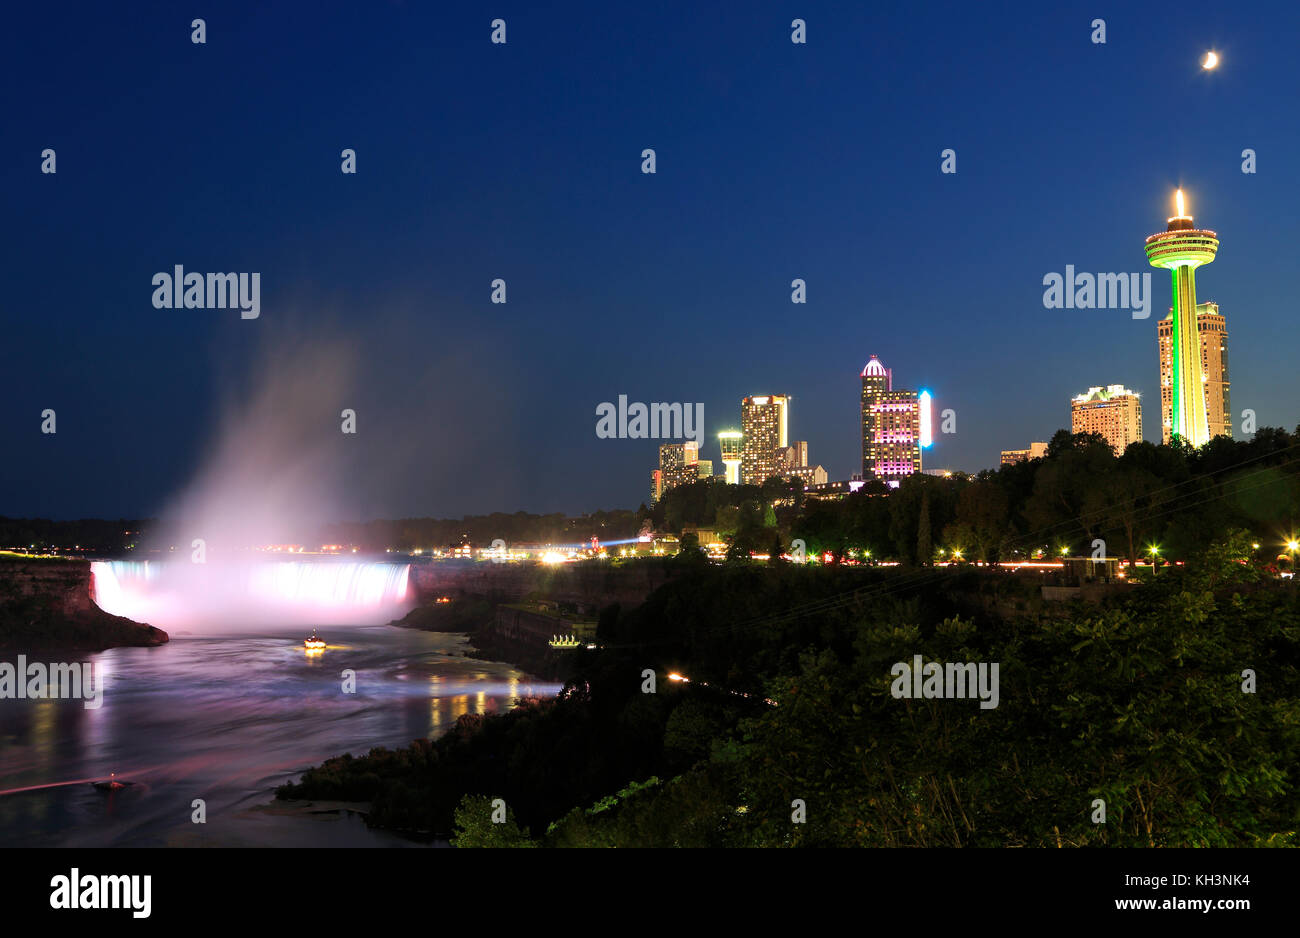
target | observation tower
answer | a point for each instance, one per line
(1182, 248)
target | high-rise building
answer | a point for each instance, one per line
(1182, 248)
(678, 464)
(1113, 411)
(656, 485)
(732, 444)
(1212, 329)
(796, 454)
(764, 422)
(1012, 456)
(891, 426)
(704, 469)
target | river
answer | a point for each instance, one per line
(226, 720)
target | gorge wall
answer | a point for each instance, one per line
(48, 603)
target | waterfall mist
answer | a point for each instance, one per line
(275, 474)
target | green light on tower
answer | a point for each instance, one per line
(1182, 248)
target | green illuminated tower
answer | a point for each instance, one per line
(1182, 248)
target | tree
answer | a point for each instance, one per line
(1076, 465)
(924, 550)
(777, 549)
(750, 536)
(981, 524)
(475, 826)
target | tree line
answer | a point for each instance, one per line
(1171, 497)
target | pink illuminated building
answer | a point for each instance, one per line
(891, 426)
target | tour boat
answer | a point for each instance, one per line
(313, 643)
(110, 784)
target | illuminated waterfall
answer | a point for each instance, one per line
(254, 593)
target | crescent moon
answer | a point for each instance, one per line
(1211, 60)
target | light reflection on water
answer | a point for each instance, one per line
(227, 720)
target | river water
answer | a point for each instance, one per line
(226, 720)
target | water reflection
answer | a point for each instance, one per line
(226, 720)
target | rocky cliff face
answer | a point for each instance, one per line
(48, 604)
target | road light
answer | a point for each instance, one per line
(1154, 551)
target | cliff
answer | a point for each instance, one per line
(46, 604)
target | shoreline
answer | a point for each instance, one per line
(542, 664)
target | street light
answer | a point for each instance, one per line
(1154, 551)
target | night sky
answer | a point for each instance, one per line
(523, 161)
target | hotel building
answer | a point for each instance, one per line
(891, 426)
(1012, 456)
(764, 421)
(1113, 411)
(678, 464)
(1212, 330)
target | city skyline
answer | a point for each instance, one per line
(1113, 410)
(396, 263)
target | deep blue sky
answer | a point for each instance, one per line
(522, 161)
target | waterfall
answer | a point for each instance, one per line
(251, 593)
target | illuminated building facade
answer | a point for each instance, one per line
(794, 465)
(1181, 249)
(833, 490)
(891, 426)
(1113, 411)
(764, 421)
(678, 462)
(1012, 456)
(704, 469)
(796, 454)
(809, 475)
(1212, 329)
